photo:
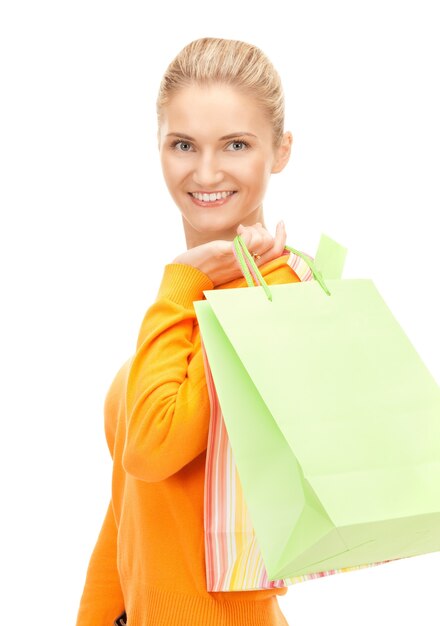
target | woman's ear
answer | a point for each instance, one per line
(282, 153)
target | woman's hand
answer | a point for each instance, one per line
(217, 260)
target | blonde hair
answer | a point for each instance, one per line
(213, 60)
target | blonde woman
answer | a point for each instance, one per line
(220, 137)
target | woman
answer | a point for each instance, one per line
(220, 131)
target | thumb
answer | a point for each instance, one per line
(244, 234)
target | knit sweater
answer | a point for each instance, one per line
(149, 556)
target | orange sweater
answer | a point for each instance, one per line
(149, 556)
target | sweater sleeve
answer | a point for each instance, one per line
(102, 600)
(167, 401)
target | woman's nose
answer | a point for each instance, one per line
(207, 172)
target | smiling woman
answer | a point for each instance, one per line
(220, 128)
(220, 137)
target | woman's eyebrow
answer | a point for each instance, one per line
(221, 138)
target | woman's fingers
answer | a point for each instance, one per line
(256, 238)
(280, 238)
(259, 241)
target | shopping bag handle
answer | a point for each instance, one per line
(240, 247)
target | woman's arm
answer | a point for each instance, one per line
(167, 401)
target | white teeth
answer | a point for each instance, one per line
(211, 197)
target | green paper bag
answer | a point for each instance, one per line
(341, 468)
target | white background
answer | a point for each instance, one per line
(87, 226)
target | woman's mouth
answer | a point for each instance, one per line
(205, 201)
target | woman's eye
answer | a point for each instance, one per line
(235, 143)
(186, 143)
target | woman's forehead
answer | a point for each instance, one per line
(218, 110)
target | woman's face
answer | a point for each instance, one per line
(197, 157)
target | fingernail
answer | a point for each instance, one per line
(282, 224)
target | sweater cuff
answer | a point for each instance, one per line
(183, 284)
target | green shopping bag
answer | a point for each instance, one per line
(341, 468)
